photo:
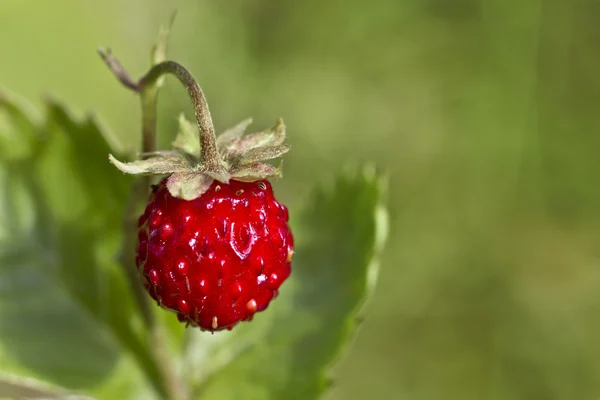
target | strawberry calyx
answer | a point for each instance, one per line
(199, 157)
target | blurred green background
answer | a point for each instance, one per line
(484, 113)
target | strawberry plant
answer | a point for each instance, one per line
(110, 282)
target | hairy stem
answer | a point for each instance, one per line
(148, 97)
(209, 154)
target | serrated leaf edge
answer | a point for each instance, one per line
(354, 319)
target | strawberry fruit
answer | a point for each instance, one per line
(218, 259)
(214, 245)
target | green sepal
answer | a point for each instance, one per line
(256, 171)
(232, 134)
(188, 186)
(262, 153)
(188, 138)
(240, 156)
(165, 163)
(274, 136)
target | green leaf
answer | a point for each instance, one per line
(67, 314)
(18, 387)
(287, 351)
(18, 126)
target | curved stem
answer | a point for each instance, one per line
(209, 154)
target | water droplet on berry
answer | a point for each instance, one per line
(261, 278)
(154, 277)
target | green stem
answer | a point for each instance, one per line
(148, 97)
(169, 387)
(209, 155)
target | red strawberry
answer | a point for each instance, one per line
(217, 259)
(214, 244)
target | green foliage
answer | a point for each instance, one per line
(286, 352)
(485, 114)
(68, 316)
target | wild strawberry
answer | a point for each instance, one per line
(217, 259)
(214, 244)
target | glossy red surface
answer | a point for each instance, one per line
(218, 259)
